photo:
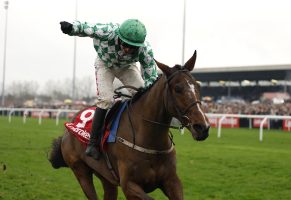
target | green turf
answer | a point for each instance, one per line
(235, 167)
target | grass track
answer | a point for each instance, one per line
(235, 167)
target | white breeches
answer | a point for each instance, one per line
(105, 77)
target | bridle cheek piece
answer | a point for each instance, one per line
(182, 115)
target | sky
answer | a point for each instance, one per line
(224, 33)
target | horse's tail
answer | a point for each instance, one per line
(56, 156)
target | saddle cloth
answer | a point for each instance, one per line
(81, 126)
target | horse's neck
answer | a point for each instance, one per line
(144, 114)
(153, 108)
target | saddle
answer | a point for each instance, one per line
(111, 113)
(81, 126)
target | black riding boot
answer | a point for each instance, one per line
(93, 148)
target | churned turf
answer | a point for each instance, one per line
(235, 167)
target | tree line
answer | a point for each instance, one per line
(18, 92)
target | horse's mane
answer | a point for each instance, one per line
(141, 91)
(144, 90)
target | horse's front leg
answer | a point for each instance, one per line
(134, 192)
(172, 188)
(110, 190)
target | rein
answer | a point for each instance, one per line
(118, 94)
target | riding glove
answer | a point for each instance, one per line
(66, 27)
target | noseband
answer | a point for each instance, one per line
(182, 114)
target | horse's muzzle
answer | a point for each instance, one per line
(201, 131)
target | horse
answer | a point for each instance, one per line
(143, 157)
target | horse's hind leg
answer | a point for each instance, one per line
(110, 191)
(85, 177)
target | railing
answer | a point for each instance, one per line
(221, 117)
(41, 111)
(263, 117)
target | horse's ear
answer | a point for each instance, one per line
(191, 62)
(166, 69)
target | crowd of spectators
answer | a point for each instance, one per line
(227, 106)
(257, 108)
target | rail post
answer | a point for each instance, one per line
(219, 126)
(262, 127)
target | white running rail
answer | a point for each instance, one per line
(221, 117)
(263, 117)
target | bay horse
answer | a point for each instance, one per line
(143, 158)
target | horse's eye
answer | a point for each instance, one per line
(178, 89)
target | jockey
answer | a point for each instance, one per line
(118, 49)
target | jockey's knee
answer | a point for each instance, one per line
(104, 103)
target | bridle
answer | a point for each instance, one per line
(181, 114)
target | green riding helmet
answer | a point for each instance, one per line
(132, 32)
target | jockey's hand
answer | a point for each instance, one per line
(66, 27)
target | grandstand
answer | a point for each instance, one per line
(248, 82)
